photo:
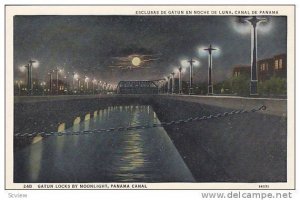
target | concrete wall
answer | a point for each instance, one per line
(45, 114)
(241, 148)
(248, 147)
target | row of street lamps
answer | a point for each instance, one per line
(29, 67)
(253, 21)
(181, 69)
(96, 85)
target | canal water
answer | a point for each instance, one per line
(146, 155)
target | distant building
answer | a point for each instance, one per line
(243, 70)
(266, 68)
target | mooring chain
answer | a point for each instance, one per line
(139, 127)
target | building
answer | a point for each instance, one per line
(243, 70)
(266, 68)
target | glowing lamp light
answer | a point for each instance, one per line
(218, 52)
(203, 53)
(184, 63)
(175, 70)
(76, 76)
(183, 70)
(196, 63)
(22, 68)
(242, 26)
(265, 27)
(36, 64)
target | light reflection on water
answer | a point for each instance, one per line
(35, 163)
(133, 157)
(146, 155)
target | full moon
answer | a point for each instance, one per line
(136, 61)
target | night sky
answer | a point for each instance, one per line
(103, 46)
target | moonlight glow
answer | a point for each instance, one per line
(136, 61)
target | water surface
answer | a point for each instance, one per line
(146, 155)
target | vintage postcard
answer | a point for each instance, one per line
(150, 97)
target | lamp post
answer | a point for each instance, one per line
(57, 80)
(191, 61)
(179, 80)
(254, 21)
(210, 89)
(100, 87)
(173, 82)
(94, 81)
(29, 76)
(19, 87)
(75, 78)
(103, 87)
(29, 66)
(86, 80)
(43, 87)
(79, 86)
(50, 81)
(107, 88)
(161, 86)
(165, 90)
(57, 70)
(66, 85)
(169, 84)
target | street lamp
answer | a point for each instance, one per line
(66, 84)
(86, 80)
(165, 84)
(19, 87)
(210, 49)
(57, 70)
(94, 82)
(75, 78)
(29, 75)
(79, 85)
(100, 87)
(191, 61)
(43, 87)
(173, 82)
(50, 80)
(254, 21)
(22, 68)
(179, 80)
(161, 86)
(169, 84)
